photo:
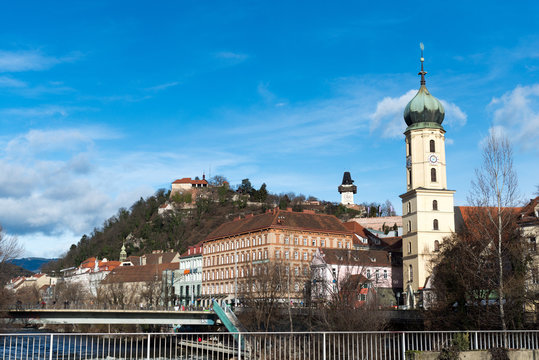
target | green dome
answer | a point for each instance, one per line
(424, 108)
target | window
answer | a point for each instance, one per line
(432, 146)
(286, 240)
(277, 254)
(533, 245)
(368, 273)
(409, 207)
(242, 257)
(286, 255)
(314, 242)
(433, 175)
(296, 271)
(247, 242)
(409, 147)
(435, 224)
(385, 274)
(322, 243)
(377, 274)
(436, 245)
(409, 178)
(304, 242)
(410, 273)
(296, 241)
(296, 255)
(339, 244)
(305, 256)
(434, 205)
(265, 254)
(409, 226)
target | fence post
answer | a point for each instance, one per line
(148, 350)
(50, 349)
(476, 342)
(404, 346)
(324, 346)
(239, 346)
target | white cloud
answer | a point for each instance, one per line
(9, 82)
(229, 55)
(388, 115)
(160, 87)
(29, 60)
(40, 111)
(516, 114)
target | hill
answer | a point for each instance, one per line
(188, 221)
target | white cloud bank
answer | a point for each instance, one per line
(388, 116)
(516, 114)
(30, 60)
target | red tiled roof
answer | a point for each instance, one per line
(357, 228)
(280, 219)
(464, 215)
(190, 181)
(143, 273)
(193, 250)
(160, 257)
(527, 215)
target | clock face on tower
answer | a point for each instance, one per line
(433, 159)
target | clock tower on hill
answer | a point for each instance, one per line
(427, 205)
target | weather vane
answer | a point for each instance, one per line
(422, 72)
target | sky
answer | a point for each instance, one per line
(104, 102)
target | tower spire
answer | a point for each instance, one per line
(422, 72)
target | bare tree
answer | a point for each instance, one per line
(10, 248)
(496, 187)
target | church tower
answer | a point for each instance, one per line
(347, 189)
(427, 205)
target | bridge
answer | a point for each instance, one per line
(85, 316)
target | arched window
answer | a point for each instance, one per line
(409, 207)
(409, 147)
(409, 247)
(410, 273)
(435, 224)
(434, 205)
(433, 175)
(436, 245)
(432, 146)
(410, 178)
(409, 226)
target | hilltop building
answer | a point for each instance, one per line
(428, 215)
(347, 189)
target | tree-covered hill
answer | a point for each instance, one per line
(143, 229)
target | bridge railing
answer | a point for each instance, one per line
(252, 346)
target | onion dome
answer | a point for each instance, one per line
(424, 110)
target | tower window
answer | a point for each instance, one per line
(409, 226)
(435, 224)
(409, 207)
(409, 147)
(410, 178)
(432, 146)
(433, 175)
(436, 245)
(409, 247)
(410, 273)
(434, 205)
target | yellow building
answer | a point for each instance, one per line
(427, 205)
(235, 252)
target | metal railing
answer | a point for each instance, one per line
(252, 346)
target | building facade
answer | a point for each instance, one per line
(241, 249)
(428, 215)
(188, 281)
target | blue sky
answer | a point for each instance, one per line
(104, 102)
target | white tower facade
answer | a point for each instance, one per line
(427, 205)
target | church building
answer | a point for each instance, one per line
(427, 204)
